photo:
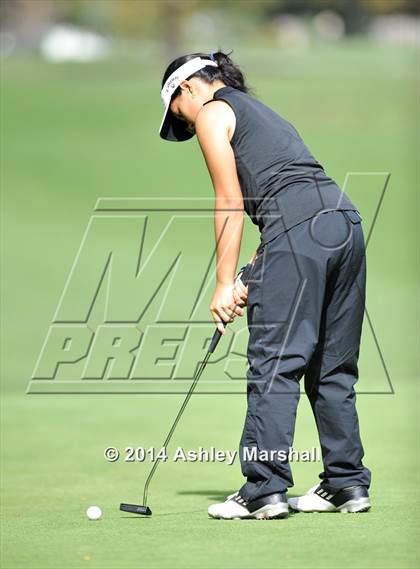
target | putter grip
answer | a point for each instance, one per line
(244, 276)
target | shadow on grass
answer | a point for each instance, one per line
(218, 495)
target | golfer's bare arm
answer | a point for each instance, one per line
(214, 126)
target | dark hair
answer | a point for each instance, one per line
(226, 71)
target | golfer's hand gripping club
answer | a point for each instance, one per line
(244, 274)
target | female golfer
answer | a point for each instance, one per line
(305, 298)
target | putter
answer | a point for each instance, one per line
(144, 510)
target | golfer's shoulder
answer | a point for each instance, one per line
(215, 114)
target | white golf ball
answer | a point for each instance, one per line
(94, 512)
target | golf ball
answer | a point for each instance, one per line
(94, 512)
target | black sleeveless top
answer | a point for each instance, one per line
(281, 182)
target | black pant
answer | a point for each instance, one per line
(305, 310)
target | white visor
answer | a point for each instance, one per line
(172, 128)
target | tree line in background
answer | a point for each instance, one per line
(161, 19)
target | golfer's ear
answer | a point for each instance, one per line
(185, 85)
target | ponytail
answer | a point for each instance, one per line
(231, 75)
(226, 71)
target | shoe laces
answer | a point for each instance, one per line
(232, 495)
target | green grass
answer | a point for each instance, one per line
(74, 133)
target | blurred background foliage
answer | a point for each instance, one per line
(167, 21)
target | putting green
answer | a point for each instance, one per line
(76, 133)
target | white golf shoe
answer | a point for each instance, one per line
(348, 500)
(235, 507)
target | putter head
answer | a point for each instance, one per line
(136, 509)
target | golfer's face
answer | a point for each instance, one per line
(185, 109)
